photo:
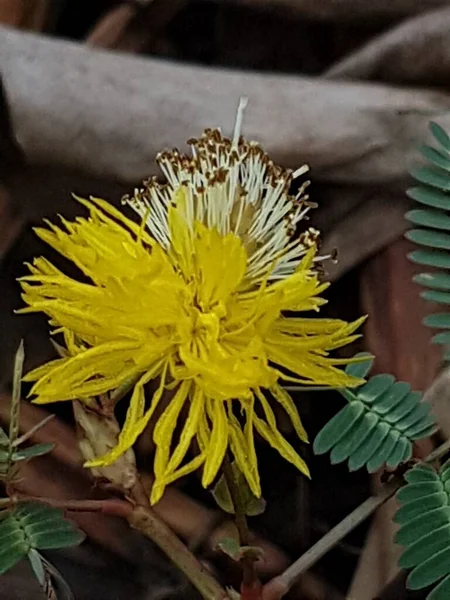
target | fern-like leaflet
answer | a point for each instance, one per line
(433, 230)
(378, 425)
(424, 519)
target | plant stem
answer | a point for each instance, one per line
(144, 519)
(251, 586)
(141, 516)
(280, 585)
(29, 434)
(110, 506)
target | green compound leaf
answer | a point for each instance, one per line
(424, 519)
(34, 526)
(432, 229)
(378, 425)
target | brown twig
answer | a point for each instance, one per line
(251, 586)
(110, 506)
(144, 519)
(280, 585)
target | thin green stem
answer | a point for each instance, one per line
(251, 586)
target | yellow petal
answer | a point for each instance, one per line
(189, 467)
(288, 404)
(218, 441)
(189, 430)
(243, 449)
(165, 427)
(270, 432)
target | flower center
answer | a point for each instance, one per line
(206, 324)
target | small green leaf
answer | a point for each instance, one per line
(416, 431)
(426, 237)
(222, 496)
(230, 547)
(364, 430)
(424, 547)
(253, 506)
(440, 135)
(402, 451)
(376, 386)
(441, 338)
(365, 451)
(420, 474)
(57, 581)
(436, 219)
(436, 296)
(424, 433)
(32, 451)
(4, 439)
(431, 258)
(418, 490)
(438, 320)
(429, 571)
(56, 539)
(429, 197)
(441, 591)
(437, 158)
(14, 414)
(437, 281)
(391, 398)
(337, 427)
(389, 441)
(36, 564)
(432, 177)
(412, 509)
(416, 415)
(349, 442)
(422, 524)
(399, 411)
(360, 369)
(11, 555)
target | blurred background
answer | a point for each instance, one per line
(91, 91)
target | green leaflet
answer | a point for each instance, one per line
(432, 229)
(34, 526)
(424, 519)
(377, 426)
(11, 451)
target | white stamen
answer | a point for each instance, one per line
(243, 101)
(300, 171)
(224, 182)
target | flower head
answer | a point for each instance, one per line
(196, 297)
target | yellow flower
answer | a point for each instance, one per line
(196, 297)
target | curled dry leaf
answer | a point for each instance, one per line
(349, 132)
(97, 435)
(414, 52)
